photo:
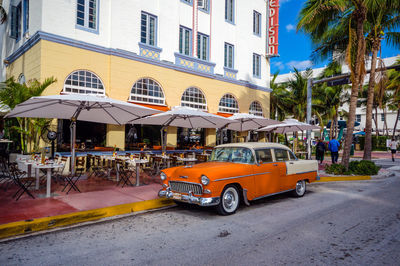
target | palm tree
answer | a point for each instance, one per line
(331, 97)
(279, 100)
(320, 19)
(3, 13)
(381, 24)
(298, 93)
(394, 85)
(13, 93)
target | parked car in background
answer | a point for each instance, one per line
(239, 172)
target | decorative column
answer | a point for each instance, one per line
(115, 136)
(172, 133)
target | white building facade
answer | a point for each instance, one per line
(206, 54)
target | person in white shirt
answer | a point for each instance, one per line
(393, 148)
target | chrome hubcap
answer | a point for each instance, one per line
(230, 200)
(300, 187)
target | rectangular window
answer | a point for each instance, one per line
(373, 116)
(256, 65)
(148, 29)
(202, 46)
(358, 118)
(15, 30)
(256, 23)
(230, 10)
(203, 5)
(185, 39)
(382, 117)
(228, 58)
(26, 15)
(398, 118)
(86, 13)
(187, 1)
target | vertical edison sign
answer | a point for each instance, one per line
(273, 28)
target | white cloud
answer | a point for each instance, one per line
(290, 27)
(301, 65)
(279, 65)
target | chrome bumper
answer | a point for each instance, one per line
(167, 193)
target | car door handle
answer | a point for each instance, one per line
(290, 163)
(275, 164)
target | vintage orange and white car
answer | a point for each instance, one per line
(239, 172)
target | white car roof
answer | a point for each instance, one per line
(254, 145)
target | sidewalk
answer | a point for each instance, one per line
(95, 202)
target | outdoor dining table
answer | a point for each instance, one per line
(47, 166)
(137, 163)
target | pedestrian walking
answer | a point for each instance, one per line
(393, 147)
(333, 147)
(320, 150)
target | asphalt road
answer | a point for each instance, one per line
(346, 223)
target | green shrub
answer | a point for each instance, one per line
(362, 167)
(365, 167)
(335, 169)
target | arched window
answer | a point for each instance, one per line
(193, 97)
(228, 104)
(147, 90)
(83, 82)
(21, 79)
(256, 109)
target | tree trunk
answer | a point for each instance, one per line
(395, 123)
(370, 101)
(359, 15)
(385, 122)
(376, 121)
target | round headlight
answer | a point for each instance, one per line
(204, 180)
(163, 176)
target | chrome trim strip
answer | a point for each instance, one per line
(269, 195)
(240, 176)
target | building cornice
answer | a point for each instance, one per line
(40, 35)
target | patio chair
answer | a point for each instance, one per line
(21, 179)
(5, 176)
(124, 173)
(58, 172)
(96, 166)
(71, 180)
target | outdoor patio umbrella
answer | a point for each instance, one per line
(250, 122)
(289, 125)
(187, 117)
(75, 107)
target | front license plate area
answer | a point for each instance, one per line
(177, 196)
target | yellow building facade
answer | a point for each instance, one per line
(47, 56)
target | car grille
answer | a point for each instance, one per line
(184, 187)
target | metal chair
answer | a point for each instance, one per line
(71, 180)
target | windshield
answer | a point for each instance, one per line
(232, 154)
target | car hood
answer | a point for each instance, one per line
(213, 170)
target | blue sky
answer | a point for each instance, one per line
(295, 48)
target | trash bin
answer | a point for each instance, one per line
(352, 149)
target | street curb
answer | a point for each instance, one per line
(342, 178)
(40, 224)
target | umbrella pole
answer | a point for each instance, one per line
(73, 140)
(163, 148)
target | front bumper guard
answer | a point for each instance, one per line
(167, 193)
